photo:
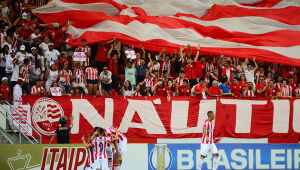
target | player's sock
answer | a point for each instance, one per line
(110, 163)
(201, 162)
(117, 167)
(215, 162)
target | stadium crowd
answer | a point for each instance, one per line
(36, 57)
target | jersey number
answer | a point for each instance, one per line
(101, 147)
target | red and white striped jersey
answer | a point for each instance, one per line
(209, 126)
(68, 74)
(2, 38)
(91, 155)
(148, 82)
(24, 72)
(167, 66)
(87, 50)
(258, 75)
(14, 41)
(112, 131)
(277, 85)
(137, 94)
(286, 91)
(99, 144)
(155, 67)
(179, 81)
(249, 93)
(210, 67)
(78, 73)
(297, 91)
(92, 73)
(37, 90)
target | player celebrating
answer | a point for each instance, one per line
(99, 143)
(90, 151)
(120, 147)
(207, 142)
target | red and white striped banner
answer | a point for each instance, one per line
(182, 117)
(24, 111)
(265, 29)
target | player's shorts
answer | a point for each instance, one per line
(101, 164)
(122, 146)
(208, 148)
(109, 150)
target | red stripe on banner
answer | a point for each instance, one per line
(264, 3)
(280, 38)
(141, 140)
(52, 106)
(283, 140)
(289, 15)
(158, 44)
(53, 111)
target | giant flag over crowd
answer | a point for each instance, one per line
(267, 29)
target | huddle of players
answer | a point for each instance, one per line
(99, 147)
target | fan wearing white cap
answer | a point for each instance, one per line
(34, 57)
(52, 55)
(21, 55)
(51, 75)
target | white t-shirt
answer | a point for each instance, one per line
(2, 61)
(51, 56)
(127, 93)
(44, 47)
(5, 11)
(9, 64)
(249, 75)
(35, 72)
(17, 93)
(22, 56)
(33, 36)
(9, 46)
(15, 73)
(106, 76)
(33, 59)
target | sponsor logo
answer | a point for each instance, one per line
(160, 157)
(45, 115)
(13, 161)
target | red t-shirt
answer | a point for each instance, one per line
(101, 53)
(161, 91)
(25, 33)
(200, 67)
(271, 91)
(4, 91)
(184, 91)
(189, 71)
(56, 35)
(260, 87)
(243, 84)
(214, 91)
(236, 90)
(199, 88)
(113, 66)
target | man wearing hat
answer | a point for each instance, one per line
(51, 55)
(21, 55)
(4, 89)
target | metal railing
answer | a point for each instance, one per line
(20, 127)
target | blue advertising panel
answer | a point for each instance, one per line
(231, 156)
